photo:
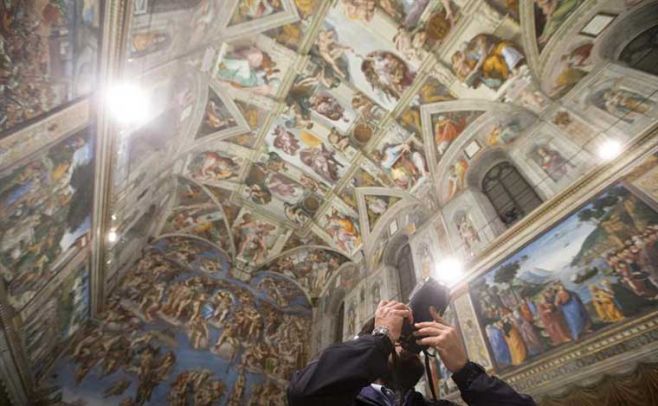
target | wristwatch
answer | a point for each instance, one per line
(382, 331)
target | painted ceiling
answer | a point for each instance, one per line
(280, 124)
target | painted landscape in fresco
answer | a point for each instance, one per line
(189, 334)
(45, 213)
(606, 272)
(47, 55)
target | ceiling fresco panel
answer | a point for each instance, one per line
(340, 225)
(255, 238)
(402, 157)
(221, 164)
(252, 17)
(306, 150)
(221, 117)
(257, 65)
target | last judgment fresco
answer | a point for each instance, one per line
(179, 329)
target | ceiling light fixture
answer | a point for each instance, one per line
(450, 270)
(112, 236)
(128, 103)
(609, 149)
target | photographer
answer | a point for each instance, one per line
(375, 370)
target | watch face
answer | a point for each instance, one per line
(380, 331)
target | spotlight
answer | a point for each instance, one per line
(112, 236)
(128, 103)
(609, 149)
(449, 271)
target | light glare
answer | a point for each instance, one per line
(610, 149)
(112, 236)
(128, 103)
(449, 271)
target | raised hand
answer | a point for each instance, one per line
(391, 314)
(444, 338)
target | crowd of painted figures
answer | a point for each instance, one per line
(23, 61)
(311, 268)
(529, 326)
(140, 332)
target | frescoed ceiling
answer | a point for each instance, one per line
(295, 123)
(287, 151)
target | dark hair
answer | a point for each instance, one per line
(406, 370)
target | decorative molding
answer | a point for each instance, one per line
(628, 343)
(46, 132)
(115, 25)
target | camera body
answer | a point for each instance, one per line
(428, 293)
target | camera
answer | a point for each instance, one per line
(428, 293)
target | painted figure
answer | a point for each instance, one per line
(359, 9)
(555, 12)
(322, 161)
(285, 141)
(457, 177)
(468, 233)
(553, 320)
(529, 333)
(332, 52)
(325, 104)
(517, 348)
(284, 188)
(387, 73)
(447, 128)
(145, 43)
(552, 162)
(343, 230)
(498, 344)
(254, 9)
(487, 59)
(574, 311)
(212, 166)
(605, 305)
(625, 104)
(249, 68)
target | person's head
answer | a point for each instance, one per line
(405, 367)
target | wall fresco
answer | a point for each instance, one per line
(45, 207)
(176, 333)
(535, 301)
(48, 53)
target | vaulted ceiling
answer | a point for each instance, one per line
(282, 124)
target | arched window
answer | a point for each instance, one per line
(509, 193)
(406, 272)
(340, 320)
(642, 52)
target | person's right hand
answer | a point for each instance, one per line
(391, 314)
(445, 339)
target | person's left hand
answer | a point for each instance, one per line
(444, 339)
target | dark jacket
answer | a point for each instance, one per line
(342, 374)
